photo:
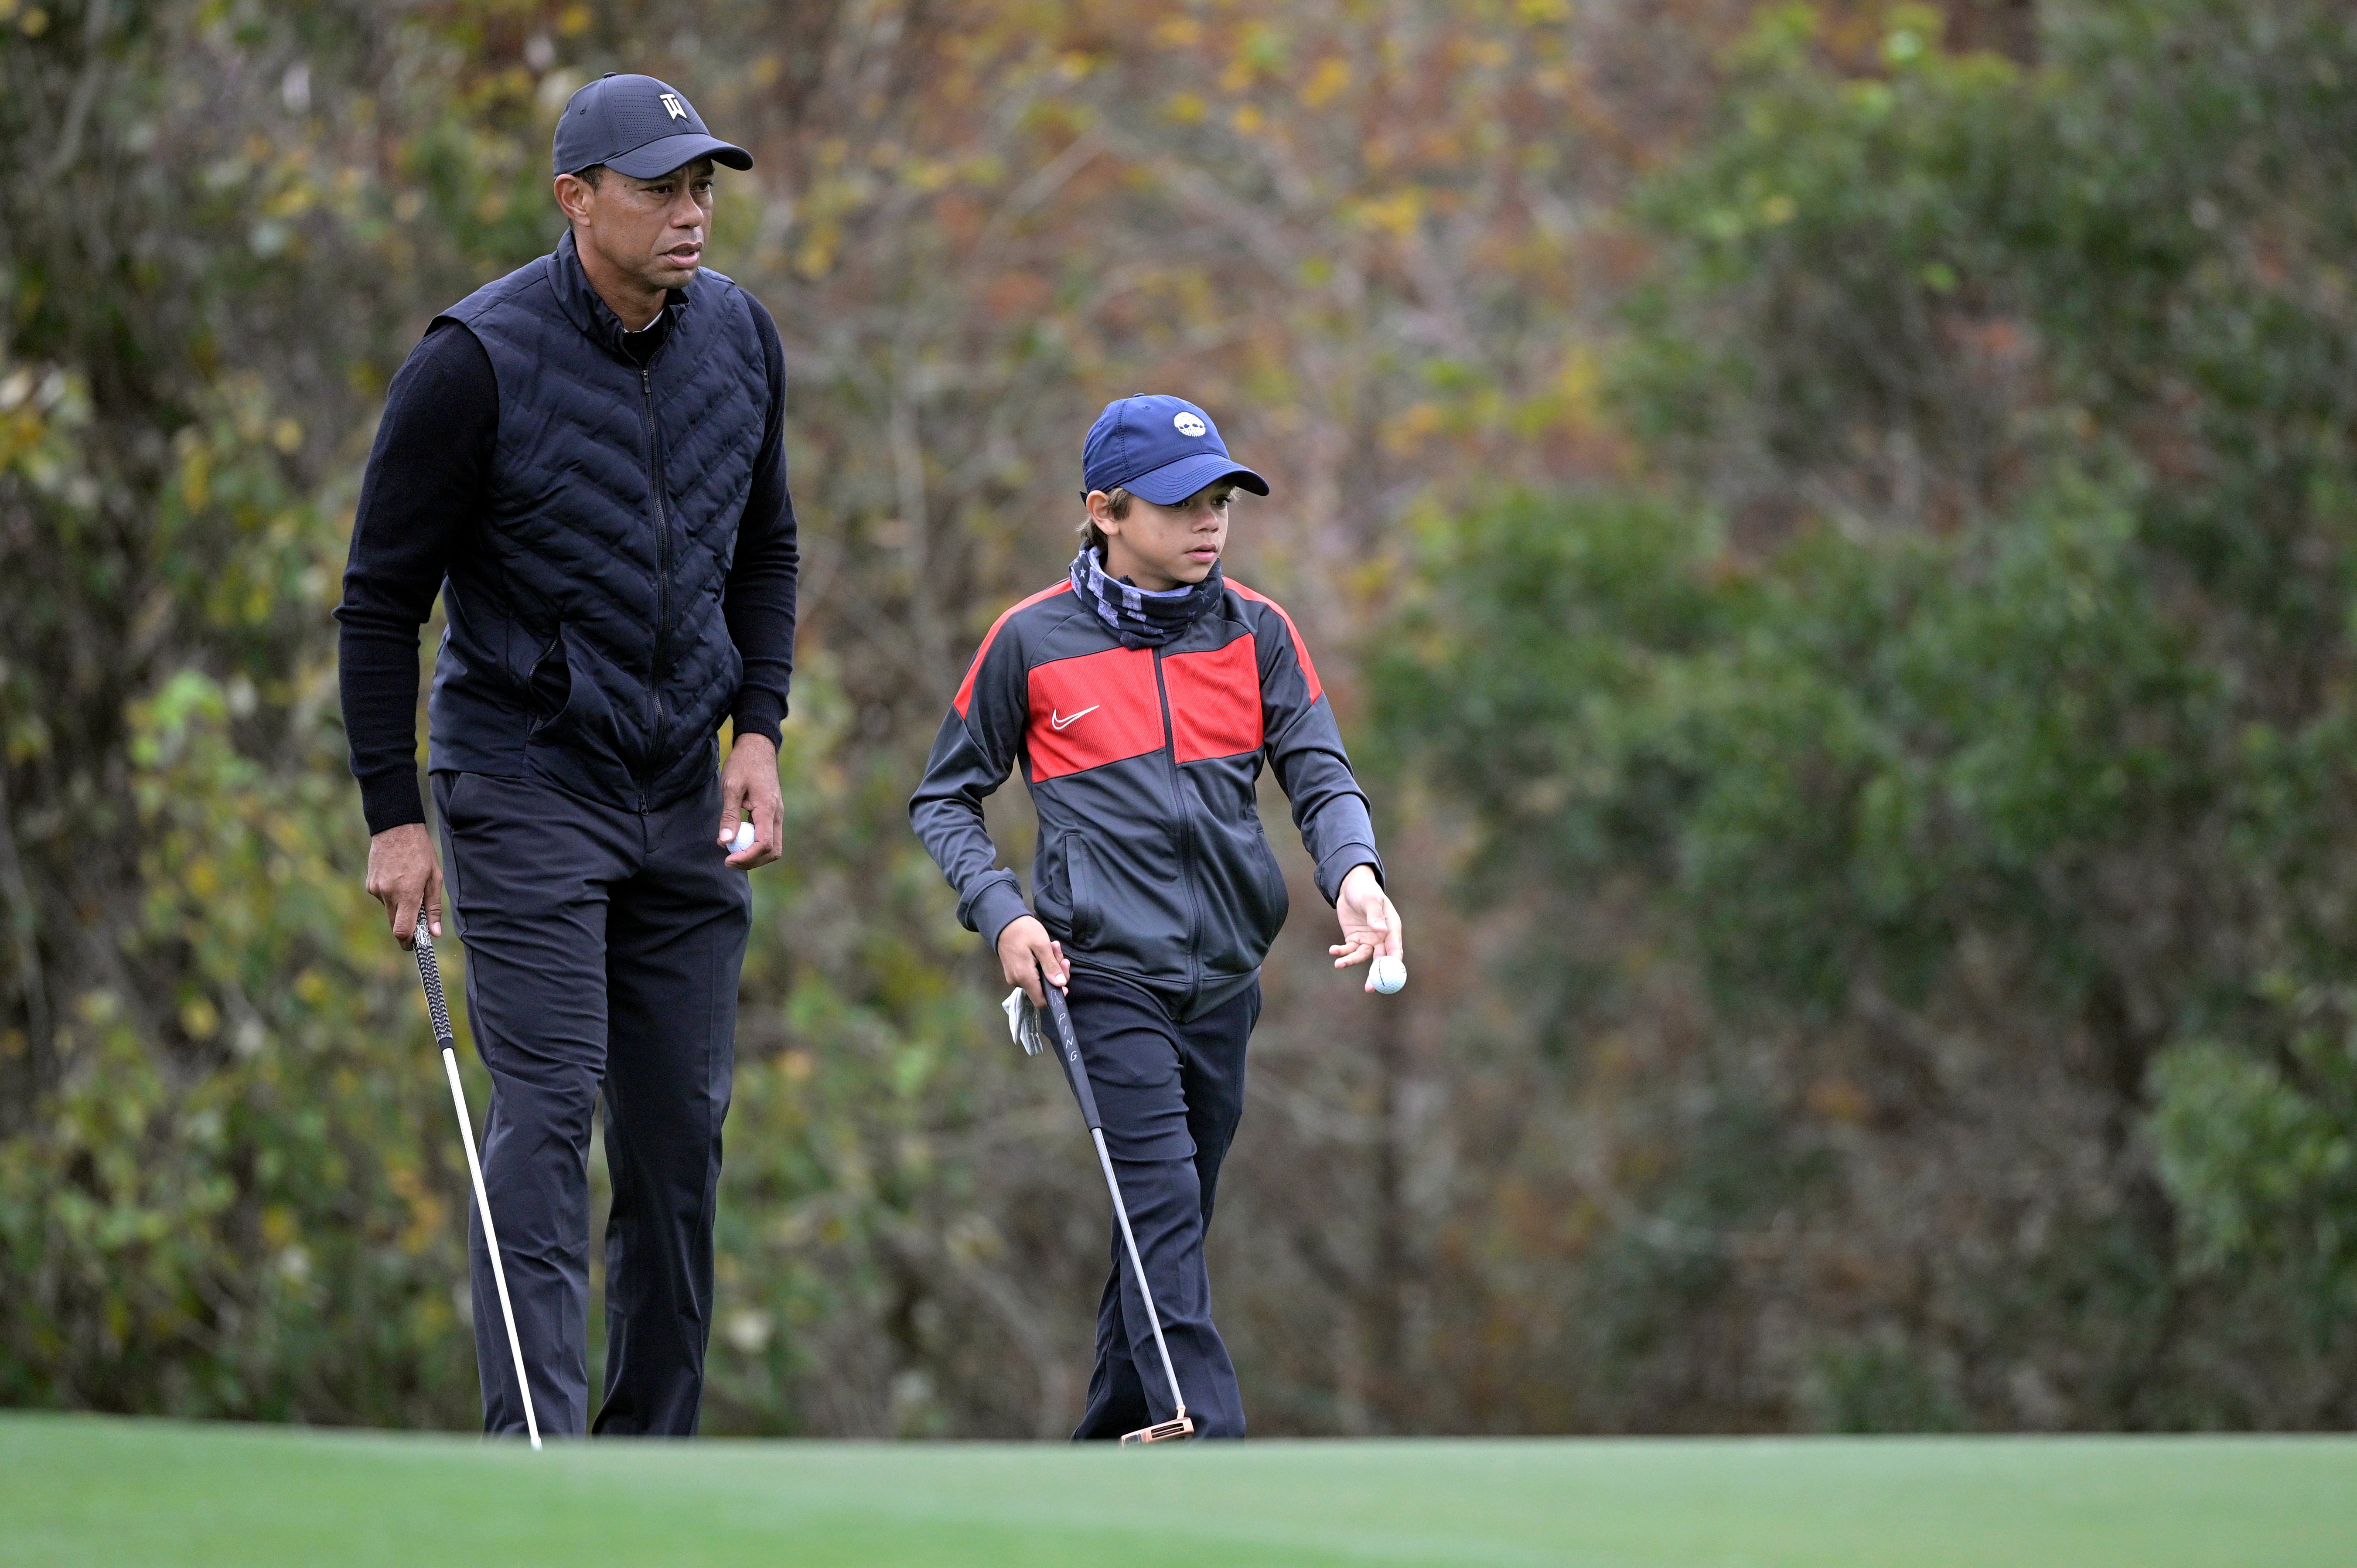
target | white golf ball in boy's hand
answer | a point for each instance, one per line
(1390, 973)
(744, 839)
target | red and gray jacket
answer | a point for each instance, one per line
(1142, 764)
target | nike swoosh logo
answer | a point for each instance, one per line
(1056, 723)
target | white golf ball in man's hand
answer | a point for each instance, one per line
(744, 839)
(1390, 973)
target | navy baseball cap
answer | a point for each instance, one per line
(1164, 448)
(639, 125)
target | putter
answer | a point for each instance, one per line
(430, 972)
(1181, 1424)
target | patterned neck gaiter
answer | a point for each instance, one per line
(1141, 619)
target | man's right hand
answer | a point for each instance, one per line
(1026, 952)
(404, 875)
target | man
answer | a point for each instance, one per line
(585, 459)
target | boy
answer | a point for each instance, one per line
(1142, 696)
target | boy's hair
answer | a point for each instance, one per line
(1116, 502)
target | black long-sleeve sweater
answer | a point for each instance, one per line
(426, 486)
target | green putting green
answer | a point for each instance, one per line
(125, 1494)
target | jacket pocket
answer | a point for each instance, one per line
(549, 683)
(1080, 880)
(1276, 902)
(568, 699)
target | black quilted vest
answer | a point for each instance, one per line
(585, 643)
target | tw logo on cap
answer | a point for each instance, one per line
(671, 105)
(1189, 425)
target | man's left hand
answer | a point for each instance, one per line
(749, 789)
(1370, 926)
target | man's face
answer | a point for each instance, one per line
(650, 231)
(1161, 547)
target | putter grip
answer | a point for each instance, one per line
(1067, 1046)
(430, 971)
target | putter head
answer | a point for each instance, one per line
(1162, 1431)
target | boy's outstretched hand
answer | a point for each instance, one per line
(1370, 926)
(1026, 952)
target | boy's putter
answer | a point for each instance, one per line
(1023, 1019)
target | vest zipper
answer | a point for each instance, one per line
(662, 571)
(1185, 829)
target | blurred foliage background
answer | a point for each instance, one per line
(1832, 529)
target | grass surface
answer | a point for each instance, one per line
(87, 1491)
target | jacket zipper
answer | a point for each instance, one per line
(662, 569)
(1185, 829)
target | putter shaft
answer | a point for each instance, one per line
(1077, 1074)
(429, 971)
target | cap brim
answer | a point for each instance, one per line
(676, 151)
(1174, 482)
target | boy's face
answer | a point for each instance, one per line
(1164, 547)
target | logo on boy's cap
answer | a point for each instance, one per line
(1162, 449)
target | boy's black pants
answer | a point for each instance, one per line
(1171, 1094)
(603, 948)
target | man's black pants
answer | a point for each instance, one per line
(603, 948)
(1171, 1094)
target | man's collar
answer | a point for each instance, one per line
(587, 307)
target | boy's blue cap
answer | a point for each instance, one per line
(1164, 448)
(639, 125)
